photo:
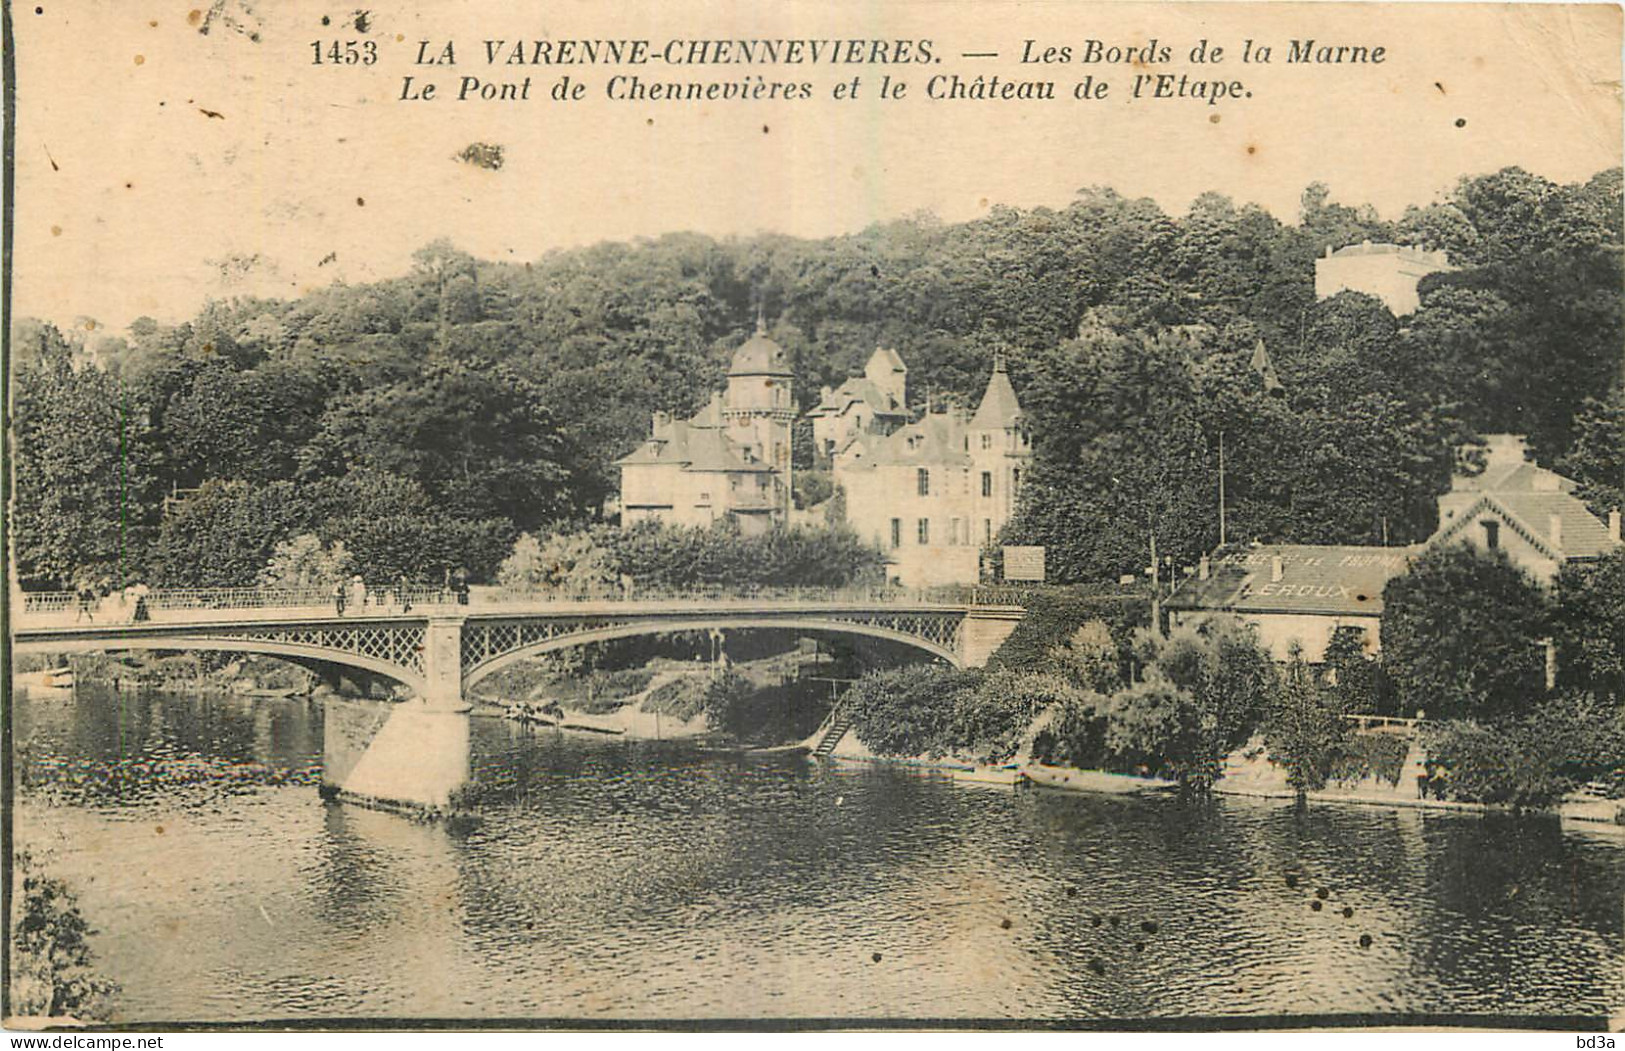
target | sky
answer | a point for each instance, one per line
(158, 165)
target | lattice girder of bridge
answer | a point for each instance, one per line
(490, 644)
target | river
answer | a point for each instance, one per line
(615, 879)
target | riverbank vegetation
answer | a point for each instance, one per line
(1466, 637)
(52, 969)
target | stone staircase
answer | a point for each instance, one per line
(835, 728)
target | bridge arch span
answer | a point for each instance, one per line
(418, 684)
(808, 624)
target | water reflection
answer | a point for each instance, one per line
(614, 878)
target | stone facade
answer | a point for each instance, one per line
(873, 403)
(1388, 271)
(731, 462)
(934, 493)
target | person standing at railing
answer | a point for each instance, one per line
(87, 604)
(338, 598)
(402, 592)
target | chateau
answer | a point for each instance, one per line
(932, 493)
(729, 462)
(935, 492)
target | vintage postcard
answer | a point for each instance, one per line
(829, 514)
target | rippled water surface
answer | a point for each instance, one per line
(617, 879)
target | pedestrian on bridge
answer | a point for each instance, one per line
(338, 598)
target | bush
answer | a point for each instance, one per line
(992, 722)
(570, 565)
(908, 711)
(1156, 726)
(1230, 679)
(1363, 755)
(681, 698)
(51, 973)
(662, 557)
(724, 703)
(1054, 616)
(1533, 761)
(1589, 615)
(1074, 734)
(1091, 658)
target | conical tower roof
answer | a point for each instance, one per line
(999, 409)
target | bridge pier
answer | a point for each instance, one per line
(984, 632)
(394, 755)
(443, 665)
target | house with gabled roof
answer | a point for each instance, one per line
(875, 402)
(1527, 511)
(729, 462)
(1295, 594)
(1299, 594)
(934, 493)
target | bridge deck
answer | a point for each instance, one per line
(70, 622)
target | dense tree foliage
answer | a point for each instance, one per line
(1463, 634)
(501, 394)
(1588, 614)
(1305, 729)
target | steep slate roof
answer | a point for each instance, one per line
(693, 445)
(1522, 478)
(999, 408)
(1530, 514)
(890, 358)
(1342, 581)
(856, 389)
(938, 440)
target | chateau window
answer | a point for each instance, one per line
(923, 481)
(923, 531)
(987, 530)
(1492, 534)
(897, 532)
(955, 528)
(987, 441)
(987, 483)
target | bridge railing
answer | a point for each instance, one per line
(58, 606)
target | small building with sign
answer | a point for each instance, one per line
(1295, 593)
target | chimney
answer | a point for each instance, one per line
(1613, 524)
(1276, 570)
(1203, 569)
(1554, 529)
